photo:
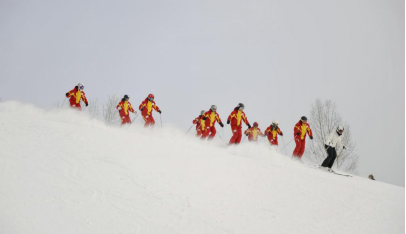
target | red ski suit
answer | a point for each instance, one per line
(146, 112)
(273, 134)
(253, 133)
(235, 118)
(75, 95)
(200, 125)
(302, 129)
(124, 111)
(211, 118)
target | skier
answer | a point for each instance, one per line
(330, 145)
(124, 107)
(236, 126)
(300, 131)
(210, 118)
(253, 133)
(199, 123)
(146, 110)
(272, 133)
(75, 95)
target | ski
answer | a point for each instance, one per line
(341, 174)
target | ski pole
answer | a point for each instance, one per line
(160, 116)
(220, 137)
(189, 129)
(244, 139)
(134, 119)
(287, 143)
(284, 146)
(63, 103)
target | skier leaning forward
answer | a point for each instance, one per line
(210, 118)
(75, 95)
(253, 133)
(330, 145)
(200, 126)
(124, 107)
(272, 133)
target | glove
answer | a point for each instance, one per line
(311, 137)
(142, 108)
(160, 111)
(344, 147)
(119, 108)
(247, 134)
(204, 118)
(221, 124)
(228, 121)
(281, 134)
(297, 134)
(249, 125)
(67, 94)
(87, 104)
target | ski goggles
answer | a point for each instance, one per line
(241, 108)
(151, 99)
(81, 87)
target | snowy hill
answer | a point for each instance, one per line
(62, 172)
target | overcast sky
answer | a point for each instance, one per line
(276, 57)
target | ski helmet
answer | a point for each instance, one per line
(304, 118)
(255, 124)
(126, 97)
(81, 86)
(275, 122)
(151, 97)
(202, 112)
(213, 107)
(340, 128)
(241, 106)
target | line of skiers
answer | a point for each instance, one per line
(124, 107)
(205, 124)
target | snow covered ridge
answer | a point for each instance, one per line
(62, 172)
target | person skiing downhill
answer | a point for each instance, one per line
(200, 126)
(253, 132)
(210, 118)
(332, 141)
(300, 131)
(272, 133)
(124, 107)
(75, 95)
(235, 118)
(146, 110)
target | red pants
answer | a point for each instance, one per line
(209, 130)
(237, 135)
(300, 147)
(125, 119)
(75, 106)
(199, 132)
(273, 142)
(149, 120)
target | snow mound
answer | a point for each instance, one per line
(62, 172)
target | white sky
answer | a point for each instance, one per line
(276, 57)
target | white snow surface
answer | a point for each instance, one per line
(62, 172)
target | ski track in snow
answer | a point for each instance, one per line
(61, 172)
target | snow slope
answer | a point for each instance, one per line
(61, 172)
